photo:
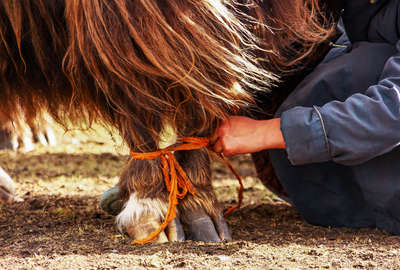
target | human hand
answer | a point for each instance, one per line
(241, 135)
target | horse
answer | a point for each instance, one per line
(140, 66)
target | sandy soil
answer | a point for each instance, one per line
(59, 225)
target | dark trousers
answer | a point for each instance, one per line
(330, 194)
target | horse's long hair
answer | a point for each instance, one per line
(292, 30)
(139, 64)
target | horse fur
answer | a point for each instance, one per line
(140, 65)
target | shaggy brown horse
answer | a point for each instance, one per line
(141, 65)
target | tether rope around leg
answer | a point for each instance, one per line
(175, 178)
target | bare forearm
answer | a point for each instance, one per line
(273, 138)
(240, 135)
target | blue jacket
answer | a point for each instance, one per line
(341, 126)
(365, 125)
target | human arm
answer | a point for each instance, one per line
(241, 135)
(351, 132)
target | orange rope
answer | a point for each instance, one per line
(240, 190)
(175, 178)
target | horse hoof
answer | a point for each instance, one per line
(148, 224)
(139, 217)
(144, 226)
(111, 202)
(202, 227)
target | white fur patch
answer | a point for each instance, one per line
(6, 181)
(134, 208)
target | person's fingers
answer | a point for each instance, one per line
(219, 133)
(218, 147)
(214, 138)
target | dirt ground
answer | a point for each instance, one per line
(60, 226)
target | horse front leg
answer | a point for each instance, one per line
(145, 199)
(144, 194)
(201, 213)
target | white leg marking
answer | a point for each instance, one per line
(134, 208)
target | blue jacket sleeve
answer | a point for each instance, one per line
(352, 132)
